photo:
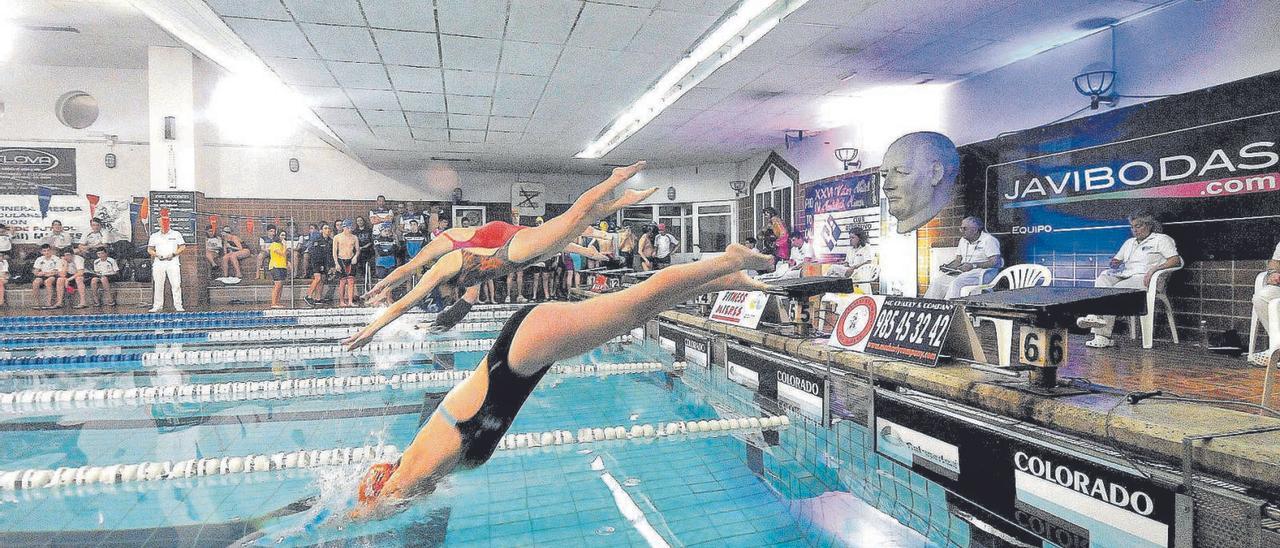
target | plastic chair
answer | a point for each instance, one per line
(1017, 277)
(1156, 294)
(1273, 309)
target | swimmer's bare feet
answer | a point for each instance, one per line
(747, 258)
(627, 172)
(629, 197)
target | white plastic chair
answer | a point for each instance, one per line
(1017, 276)
(1273, 309)
(1155, 294)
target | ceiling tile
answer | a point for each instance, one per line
(502, 137)
(463, 52)
(392, 132)
(272, 38)
(360, 75)
(464, 82)
(529, 57)
(398, 47)
(836, 12)
(514, 85)
(399, 14)
(340, 116)
(607, 26)
(430, 133)
(734, 75)
(704, 7)
(507, 123)
(306, 72)
(484, 18)
(547, 21)
(258, 9)
(467, 121)
(416, 78)
(468, 104)
(375, 99)
(337, 12)
(324, 96)
(383, 117)
(670, 32)
(466, 135)
(342, 43)
(427, 119)
(514, 106)
(421, 102)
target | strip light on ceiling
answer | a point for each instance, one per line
(735, 32)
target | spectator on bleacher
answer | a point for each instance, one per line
(6, 241)
(47, 272)
(977, 262)
(364, 233)
(73, 271)
(442, 225)
(212, 247)
(304, 248)
(381, 215)
(627, 242)
(234, 252)
(665, 244)
(645, 247)
(277, 266)
(57, 238)
(105, 271)
(1262, 300)
(263, 255)
(164, 246)
(781, 234)
(99, 235)
(1139, 258)
(414, 238)
(320, 264)
(385, 249)
(4, 273)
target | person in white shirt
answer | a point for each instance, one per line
(105, 271)
(57, 238)
(977, 262)
(862, 258)
(73, 272)
(164, 247)
(664, 244)
(47, 272)
(4, 274)
(99, 235)
(1262, 300)
(1139, 258)
(6, 241)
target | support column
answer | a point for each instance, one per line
(171, 128)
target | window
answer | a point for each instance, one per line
(714, 222)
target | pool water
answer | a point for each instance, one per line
(805, 485)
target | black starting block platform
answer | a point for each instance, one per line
(803, 288)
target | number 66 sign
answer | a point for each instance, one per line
(1042, 347)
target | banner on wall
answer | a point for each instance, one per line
(835, 207)
(741, 308)
(23, 170)
(1223, 171)
(1061, 496)
(182, 211)
(27, 225)
(856, 320)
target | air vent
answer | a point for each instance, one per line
(448, 159)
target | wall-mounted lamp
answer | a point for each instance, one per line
(1097, 86)
(848, 157)
(739, 188)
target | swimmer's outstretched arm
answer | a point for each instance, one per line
(445, 268)
(540, 341)
(586, 252)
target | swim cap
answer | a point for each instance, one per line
(604, 225)
(347, 222)
(539, 219)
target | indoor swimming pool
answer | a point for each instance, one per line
(224, 428)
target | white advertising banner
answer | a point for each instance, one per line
(743, 308)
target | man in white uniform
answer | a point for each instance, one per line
(164, 248)
(1262, 301)
(57, 238)
(977, 262)
(1148, 251)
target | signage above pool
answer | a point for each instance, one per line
(1221, 171)
(25, 169)
(1058, 494)
(793, 387)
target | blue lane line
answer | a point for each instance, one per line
(130, 317)
(140, 326)
(140, 339)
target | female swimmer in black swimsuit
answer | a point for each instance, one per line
(463, 268)
(465, 429)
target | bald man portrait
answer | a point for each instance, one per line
(920, 171)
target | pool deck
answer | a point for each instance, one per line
(1153, 429)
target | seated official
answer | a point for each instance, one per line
(1148, 251)
(861, 260)
(977, 262)
(1262, 300)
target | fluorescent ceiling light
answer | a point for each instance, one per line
(740, 27)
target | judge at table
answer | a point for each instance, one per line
(1139, 258)
(977, 262)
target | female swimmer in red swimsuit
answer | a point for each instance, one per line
(464, 268)
(466, 426)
